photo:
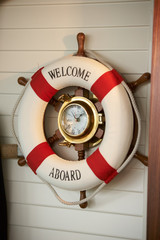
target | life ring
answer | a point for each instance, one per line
(103, 164)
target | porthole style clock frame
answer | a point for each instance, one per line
(78, 120)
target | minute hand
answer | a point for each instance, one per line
(73, 115)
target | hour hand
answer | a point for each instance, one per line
(81, 115)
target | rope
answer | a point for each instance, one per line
(99, 188)
(75, 202)
(14, 112)
(139, 127)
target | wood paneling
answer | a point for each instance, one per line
(153, 228)
(127, 14)
(71, 220)
(31, 193)
(54, 2)
(65, 39)
(16, 232)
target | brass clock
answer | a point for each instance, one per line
(78, 120)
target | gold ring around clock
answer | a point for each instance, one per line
(78, 120)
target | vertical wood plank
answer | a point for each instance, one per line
(153, 229)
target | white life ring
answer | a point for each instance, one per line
(104, 163)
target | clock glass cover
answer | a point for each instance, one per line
(74, 120)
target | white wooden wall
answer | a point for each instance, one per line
(32, 34)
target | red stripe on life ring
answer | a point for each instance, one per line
(41, 87)
(38, 155)
(100, 167)
(37, 73)
(105, 83)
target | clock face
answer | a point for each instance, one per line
(74, 120)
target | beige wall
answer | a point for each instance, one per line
(32, 34)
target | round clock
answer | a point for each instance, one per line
(78, 120)
(75, 120)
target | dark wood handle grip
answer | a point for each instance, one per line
(143, 159)
(80, 40)
(21, 161)
(22, 81)
(83, 196)
(55, 137)
(145, 77)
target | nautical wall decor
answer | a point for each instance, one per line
(101, 113)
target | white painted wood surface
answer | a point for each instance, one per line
(88, 222)
(33, 33)
(16, 232)
(75, 15)
(48, 2)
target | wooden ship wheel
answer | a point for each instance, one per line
(93, 121)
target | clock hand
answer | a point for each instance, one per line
(81, 114)
(73, 115)
(78, 119)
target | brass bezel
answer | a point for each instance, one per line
(88, 117)
(93, 120)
